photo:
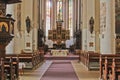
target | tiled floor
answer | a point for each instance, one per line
(81, 71)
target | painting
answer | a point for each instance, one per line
(50, 32)
(63, 36)
(28, 44)
(50, 37)
(91, 44)
(67, 37)
(59, 30)
(4, 27)
(54, 37)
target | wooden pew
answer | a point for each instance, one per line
(27, 58)
(93, 61)
(106, 62)
(2, 76)
(9, 67)
(115, 69)
(7, 70)
(90, 60)
(15, 64)
(31, 58)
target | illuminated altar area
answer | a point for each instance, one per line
(59, 36)
(59, 52)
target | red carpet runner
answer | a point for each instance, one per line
(60, 71)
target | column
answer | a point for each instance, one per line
(106, 44)
(97, 25)
(74, 15)
(67, 14)
(52, 14)
(113, 42)
(55, 13)
(64, 14)
(84, 24)
(36, 17)
(27, 10)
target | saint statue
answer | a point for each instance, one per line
(28, 24)
(3, 28)
(91, 22)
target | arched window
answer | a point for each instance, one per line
(59, 10)
(59, 6)
(47, 16)
(71, 17)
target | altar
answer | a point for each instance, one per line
(59, 52)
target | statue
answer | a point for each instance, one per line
(91, 22)
(28, 24)
(3, 28)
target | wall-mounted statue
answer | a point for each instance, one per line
(28, 24)
(91, 22)
(3, 28)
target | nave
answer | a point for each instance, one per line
(89, 26)
(80, 70)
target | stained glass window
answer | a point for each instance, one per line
(47, 16)
(59, 10)
(71, 17)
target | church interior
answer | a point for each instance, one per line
(59, 40)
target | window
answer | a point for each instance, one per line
(47, 16)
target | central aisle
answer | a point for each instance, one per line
(60, 70)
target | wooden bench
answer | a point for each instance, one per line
(8, 69)
(90, 60)
(93, 61)
(115, 69)
(15, 65)
(106, 65)
(29, 58)
(2, 76)
(9, 66)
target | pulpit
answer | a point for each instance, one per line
(6, 32)
(6, 26)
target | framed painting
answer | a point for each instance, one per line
(59, 30)
(54, 37)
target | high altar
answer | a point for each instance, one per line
(59, 36)
(59, 52)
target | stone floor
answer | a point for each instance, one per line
(81, 71)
